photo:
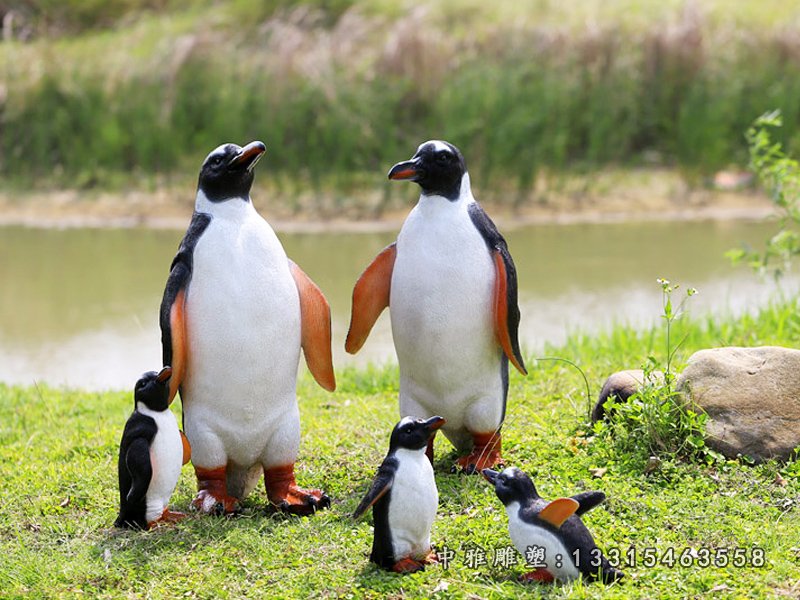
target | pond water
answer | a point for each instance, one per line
(79, 307)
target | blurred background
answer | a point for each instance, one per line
(605, 137)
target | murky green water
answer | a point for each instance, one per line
(80, 306)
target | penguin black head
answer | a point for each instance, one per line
(511, 485)
(412, 433)
(438, 167)
(152, 389)
(228, 171)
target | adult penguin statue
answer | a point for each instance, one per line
(235, 314)
(451, 288)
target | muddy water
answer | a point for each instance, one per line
(79, 306)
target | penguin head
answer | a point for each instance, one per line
(511, 485)
(438, 167)
(152, 389)
(412, 433)
(227, 171)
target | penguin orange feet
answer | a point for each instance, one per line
(485, 453)
(285, 495)
(212, 493)
(168, 516)
(407, 565)
(538, 575)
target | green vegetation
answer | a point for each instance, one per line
(58, 454)
(134, 91)
(780, 176)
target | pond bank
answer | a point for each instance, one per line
(607, 197)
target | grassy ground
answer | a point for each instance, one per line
(131, 92)
(58, 495)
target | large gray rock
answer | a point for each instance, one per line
(752, 398)
(622, 385)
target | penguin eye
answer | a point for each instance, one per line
(407, 429)
(216, 160)
(443, 157)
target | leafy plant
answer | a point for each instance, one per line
(780, 176)
(656, 420)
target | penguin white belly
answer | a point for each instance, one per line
(166, 459)
(441, 308)
(524, 536)
(412, 506)
(243, 332)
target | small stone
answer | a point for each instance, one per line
(598, 472)
(622, 385)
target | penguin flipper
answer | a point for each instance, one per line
(173, 324)
(187, 449)
(315, 326)
(506, 309)
(370, 297)
(558, 511)
(587, 501)
(172, 315)
(506, 312)
(137, 461)
(380, 485)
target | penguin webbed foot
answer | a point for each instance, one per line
(408, 565)
(485, 454)
(218, 505)
(538, 575)
(475, 462)
(168, 517)
(301, 502)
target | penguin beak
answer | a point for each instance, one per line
(434, 423)
(164, 374)
(248, 156)
(408, 170)
(490, 476)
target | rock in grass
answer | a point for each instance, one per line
(752, 398)
(622, 385)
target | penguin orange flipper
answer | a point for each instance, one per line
(502, 331)
(559, 511)
(315, 326)
(370, 297)
(177, 320)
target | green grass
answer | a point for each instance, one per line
(134, 91)
(58, 496)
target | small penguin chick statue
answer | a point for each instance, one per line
(551, 532)
(404, 499)
(151, 454)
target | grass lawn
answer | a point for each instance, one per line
(58, 497)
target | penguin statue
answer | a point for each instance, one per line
(451, 288)
(235, 314)
(551, 535)
(404, 499)
(151, 453)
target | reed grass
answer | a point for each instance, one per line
(341, 89)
